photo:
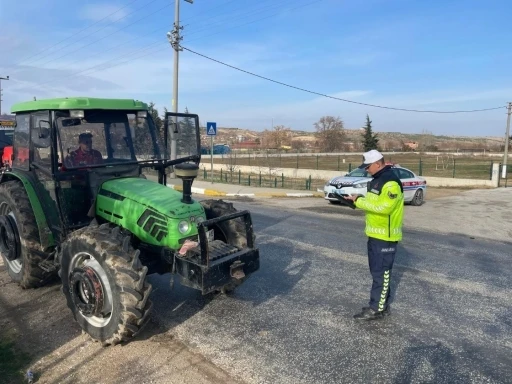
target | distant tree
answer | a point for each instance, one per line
(298, 145)
(370, 139)
(159, 124)
(280, 136)
(330, 133)
(426, 141)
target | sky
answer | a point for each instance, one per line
(443, 55)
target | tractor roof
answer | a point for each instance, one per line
(79, 103)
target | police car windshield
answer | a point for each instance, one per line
(359, 173)
(107, 137)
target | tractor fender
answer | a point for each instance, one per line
(45, 234)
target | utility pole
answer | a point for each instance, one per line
(2, 78)
(174, 38)
(507, 137)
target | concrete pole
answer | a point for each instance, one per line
(176, 46)
(2, 78)
(507, 136)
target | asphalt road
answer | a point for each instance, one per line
(291, 322)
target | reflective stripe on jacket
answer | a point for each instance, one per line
(384, 206)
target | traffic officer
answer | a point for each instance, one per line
(384, 208)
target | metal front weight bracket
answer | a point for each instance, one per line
(236, 270)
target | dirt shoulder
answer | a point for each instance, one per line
(438, 192)
(48, 341)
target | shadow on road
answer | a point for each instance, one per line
(435, 362)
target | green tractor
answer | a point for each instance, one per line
(77, 201)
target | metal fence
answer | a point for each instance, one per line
(436, 166)
(261, 179)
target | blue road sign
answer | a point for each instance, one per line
(211, 129)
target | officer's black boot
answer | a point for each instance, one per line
(369, 314)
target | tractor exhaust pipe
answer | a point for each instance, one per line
(186, 172)
(187, 190)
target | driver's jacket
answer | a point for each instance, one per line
(384, 206)
(79, 157)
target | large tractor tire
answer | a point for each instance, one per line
(105, 283)
(231, 232)
(19, 237)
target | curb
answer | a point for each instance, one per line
(212, 192)
(200, 191)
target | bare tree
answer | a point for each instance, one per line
(278, 137)
(330, 133)
(298, 145)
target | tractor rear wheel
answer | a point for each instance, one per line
(19, 237)
(105, 283)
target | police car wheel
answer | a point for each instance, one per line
(417, 200)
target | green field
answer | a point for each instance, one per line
(440, 166)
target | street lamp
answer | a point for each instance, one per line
(2, 78)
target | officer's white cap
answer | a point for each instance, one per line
(370, 157)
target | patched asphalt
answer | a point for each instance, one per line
(291, 322)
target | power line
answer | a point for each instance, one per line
(74, 34)
(104, 37)
(337, 98)
(238, 16)
(137, 51)
(247, 23)
(102, 67)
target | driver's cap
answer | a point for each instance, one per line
(85, 135)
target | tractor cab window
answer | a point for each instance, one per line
(6, 137)
(41, 139)
(21, 141)
(105, 137)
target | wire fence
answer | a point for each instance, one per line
(261, 179)
(438, 166)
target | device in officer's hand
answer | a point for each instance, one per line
(342, 200)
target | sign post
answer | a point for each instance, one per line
(211, 130)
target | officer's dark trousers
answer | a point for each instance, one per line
(381, 256)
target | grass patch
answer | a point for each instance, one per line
(467, 167)
(13, 363)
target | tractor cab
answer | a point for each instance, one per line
(71, 146)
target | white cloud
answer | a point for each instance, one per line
(100, 11)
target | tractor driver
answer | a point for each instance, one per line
(84, 154)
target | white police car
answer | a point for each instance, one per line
(356, 182)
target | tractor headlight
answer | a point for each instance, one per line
(183, 226)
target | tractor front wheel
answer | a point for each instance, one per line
(231, 232)
(105, 283)
(19, 237)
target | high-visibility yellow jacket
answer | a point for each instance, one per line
(384, 206)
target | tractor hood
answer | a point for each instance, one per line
(151, 211)
(151, 194)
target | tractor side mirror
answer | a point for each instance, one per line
(41, 138)
(172, 126)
